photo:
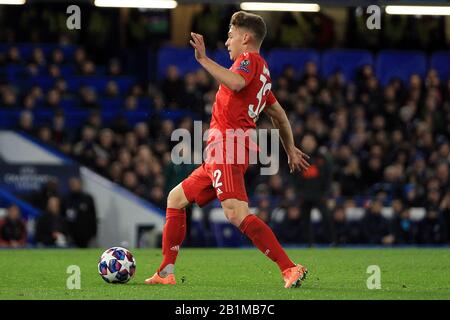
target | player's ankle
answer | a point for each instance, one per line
(167, 270)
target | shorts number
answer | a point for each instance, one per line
(217, 174)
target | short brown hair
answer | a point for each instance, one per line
(250, 21)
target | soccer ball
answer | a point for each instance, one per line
(117, 265)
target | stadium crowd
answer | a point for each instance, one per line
(371, 146)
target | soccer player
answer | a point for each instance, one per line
(244, 92)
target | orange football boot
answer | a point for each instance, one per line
(294, 276)
(156, 279)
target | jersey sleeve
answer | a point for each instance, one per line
(245, 65)
(271, 98)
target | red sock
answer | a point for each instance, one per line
(173, 235)
(264, 239)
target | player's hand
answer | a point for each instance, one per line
(199, 46)
(298, 160)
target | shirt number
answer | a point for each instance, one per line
(252, 111)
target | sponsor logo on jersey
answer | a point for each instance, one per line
(219, 191)
(245, 63)
(244, 69)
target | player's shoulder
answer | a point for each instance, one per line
(251, 56)
(251, 59)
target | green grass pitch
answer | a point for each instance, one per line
(409, 273)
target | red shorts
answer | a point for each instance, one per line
(211, 180)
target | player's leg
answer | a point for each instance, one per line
(233, 197)
(195, 188)
(238, 213)
(174, 232)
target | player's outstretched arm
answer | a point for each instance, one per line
(297, 159)
(224, 76)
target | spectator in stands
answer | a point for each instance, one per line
(95, 120)
(264, 210)
(57, 57)
(173, 88)
(289, 231)
(375, 226)
(53, 99)
(13, 57)
(131, 103)
(107, 143)
(80, 213)
(51, 227)
(433, 228)
(26, 122)
(403, 228)
(313, 186)
(351, 178)
(13, 232)
(87, 150)
(61, 86)
(9, 98)
(79, 58)
(45, 134)
(59, 132)
(39, 199)
(112, 90)
(88, 68)
(37, 57)
(114, 67)
(88, 98)
(444, 208)
(340, 225)
(130, 181)
(192, 99)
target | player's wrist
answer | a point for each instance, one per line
(203, 59)
(290, 150)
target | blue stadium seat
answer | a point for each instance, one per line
(226, 234)
(183, 58)
(76, 117)
(111, 104)
(8, 118)
(124, 82)
(345, 61)
(136, 116)
(66, 70)
(440, 61)
(278, 59)
(15, 73)
(99, 82)
(222, 57)
(3, 48)
(145, 103)
(26, 49)
(45, 82)
(68, 104)
(177, 114)
(402, 64)
(198, 234)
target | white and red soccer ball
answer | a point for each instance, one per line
(117, 265)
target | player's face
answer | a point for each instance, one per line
(234, 42)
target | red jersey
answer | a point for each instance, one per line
(240, 110)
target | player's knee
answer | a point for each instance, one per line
(176, 199)
(232, 212)
(233, 217)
